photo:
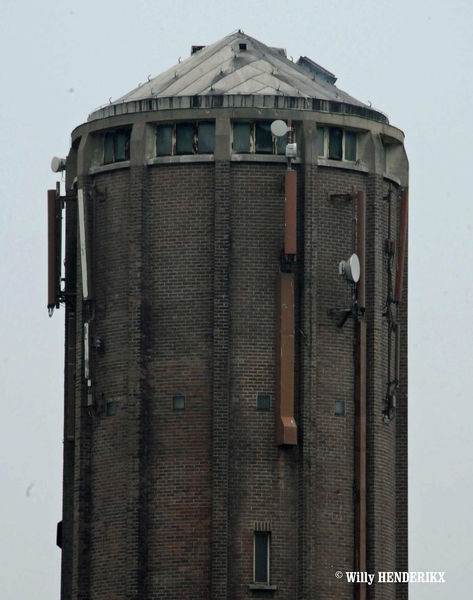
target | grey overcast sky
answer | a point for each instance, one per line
(410, 58)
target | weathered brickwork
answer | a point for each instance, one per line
(162, 502)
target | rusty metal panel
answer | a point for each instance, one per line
(290, 235)
(401, 247)
(286, 428)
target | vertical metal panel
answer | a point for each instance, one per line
(54, 247)
(290, 232)
(401, 247)
(52, 271)
(86, 351)
(286, 428)
(83, 241)
(70, 376)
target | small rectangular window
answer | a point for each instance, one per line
(185, 138)
(206, 137)
(178, 402)
(339, 408)
(321, 141)
(335, 144)
(164, 140)
(261, 556)
(263, 137)
(350, 146)
(263, 402)
(241, 137)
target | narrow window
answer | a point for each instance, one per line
(122, 145)
(241, 137)
(350, 146)
(108, 154)
(321, 141)
(335, 145)
(206, 137)
(281, 143)
(178, 402)
(164, 140)
(184, 138)
(263, 137)
(116, 146)
(261, 556)
(339, 408)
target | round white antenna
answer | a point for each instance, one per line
(279, 128)
(58, 164)
(351, 268)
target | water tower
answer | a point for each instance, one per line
(235, 308)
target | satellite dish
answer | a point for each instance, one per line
(58, 164)
(351, 268)
(279, 128)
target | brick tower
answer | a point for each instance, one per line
(236, 336)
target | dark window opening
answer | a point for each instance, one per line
(116, 146)
(242, 46)
(335, 143)
(178, 402)
(242, 137)
(261, 556)
(350, 146)
(263, 138)
(206, 137)
(263, 402)
(256, 138)
(339, 408)
(164, 140)
(321, 141)
(185, 138)
(111, 409)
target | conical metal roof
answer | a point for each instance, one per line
(239, 65)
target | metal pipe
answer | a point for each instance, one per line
(290, 231)
(361, 247)
(360, 402)
(401, 247)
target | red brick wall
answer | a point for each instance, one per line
(185, 264)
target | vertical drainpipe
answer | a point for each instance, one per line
(401, 252)
(286, 428)
(360, 402)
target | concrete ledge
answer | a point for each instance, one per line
(342, 164)
(262, 158)
(124, 164)
(262, 587)
(392, 178)
(185, 158)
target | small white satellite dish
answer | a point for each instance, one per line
(58, 164)
(351, 268)
(279, 128)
